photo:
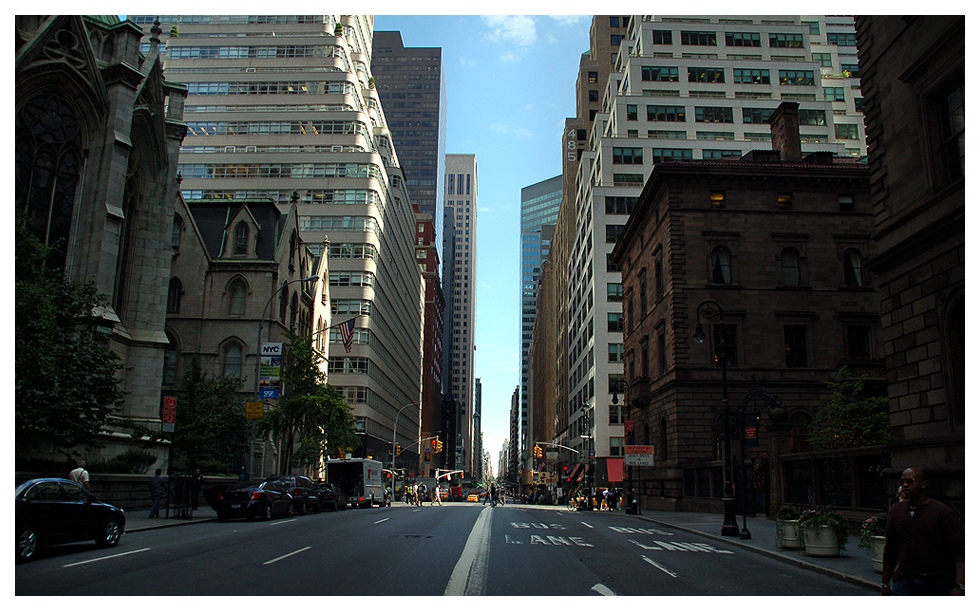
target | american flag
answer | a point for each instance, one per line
(347, 333)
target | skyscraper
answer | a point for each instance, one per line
(461, 207)
(284, 107)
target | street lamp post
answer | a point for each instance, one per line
(394, 435)
(258, 360)
(730, 526)
(621, 386)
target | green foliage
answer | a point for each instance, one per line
(872, 527)
(789, 512)
(311, 417)
(814, 518)
(66, 384)
(850, 419)
(130, 461)
(211, 431)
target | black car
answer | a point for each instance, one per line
(51, 511)
(254, 499)
(306, 495)
(332, 496)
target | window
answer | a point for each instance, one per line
(845, 39)
(658, 277)
(713, 114)
(236, 297)
(241, 238)
(743, 39)
(619, 204)
(948, 107)
(593, 78)
(173, 296)
(627, 180)
(814, 26)
(613, 233)
(631, 112)
(615, 353)
(175, 233)
(661, 352)
(665, 113)
(232, 361)
(662, 37)
(614, 322)
(593, 95)
(717, 199)
(786, 41)
(845, 203)
(851, 70)
(671, 154)
(833, 94)
(756, 115)
(789, 267)
(858, 339)
(846, 131)
(826, 60)
(853, 275)
(699, 38)
(615, 39)
(796, 77)
(625, 154)
(615, 414)
(719, 153)
(614, 291)
(170, 355)
(616, 446)
(859, 104)
(751, 76)
(721, 265)
(726, 344)
(794, 339)
(658, 73)
(812, 117)
(705, 75)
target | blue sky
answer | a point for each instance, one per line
(510, 85)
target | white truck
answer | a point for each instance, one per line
(360, 478)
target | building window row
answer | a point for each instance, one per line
(790, 40)
(280, 170)
(274, 88)
(275, 128)
(791, 267)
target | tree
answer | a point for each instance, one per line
(66, 374)
(211, 432)
(851, 418)
(311, 416)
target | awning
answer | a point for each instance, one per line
(614, 468)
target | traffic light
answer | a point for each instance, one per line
(434, 442)
(398, 449)
(538, 453)
(438, 446)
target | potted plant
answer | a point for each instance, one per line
(873, 538)
(824, 532)
(788, 527)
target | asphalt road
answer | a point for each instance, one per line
(458, 549)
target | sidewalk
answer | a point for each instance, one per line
(137, 520)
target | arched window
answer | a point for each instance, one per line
(789, 267)
(853, 275)
(236, 297)
(170, 354)
(283, 301)
(173, 296)
(48, 158)
(292, 250)
(175, 233)
(241, 238)
(293, 311)
(658, 277)
(721, 265)
(231, 365)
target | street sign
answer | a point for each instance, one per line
(169, 413)
(270, 370)
(639, 456)
(253, 410)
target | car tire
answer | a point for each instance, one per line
(318, 507)
(290, 512)
(27, 544)
(303, 509)
(267, 511)
(110, 534)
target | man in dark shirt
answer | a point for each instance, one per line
(925, 539)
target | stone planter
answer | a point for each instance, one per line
(821, 542)
(788, 534)
(877, 552)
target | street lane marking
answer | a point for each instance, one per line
(470, 574)
(661, 546)
(382, 520)
(278, 522)
(135, 551)
(601, 589)
(662, 568)
(587, 524)
(507, 539)
(287, 555)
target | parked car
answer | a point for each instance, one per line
(254, 499)
(332, 496)
(51, 511)
(306, 495)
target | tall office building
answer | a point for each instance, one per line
(539, 210)
(284, 107)
(678, 88)
(413, 92)
(461, 209)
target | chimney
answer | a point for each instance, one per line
(784, 126)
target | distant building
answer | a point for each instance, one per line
(96, 133)
(913, 80)
(435, 420)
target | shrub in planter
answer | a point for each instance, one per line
(814, 518)
(871, 528)
(787, 518)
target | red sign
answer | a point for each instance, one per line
(628, 426)
(751, 432)
(169, 413)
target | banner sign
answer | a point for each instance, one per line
(169, 414)
(270, 369)
(639, 456)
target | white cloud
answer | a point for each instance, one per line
(568, 20)
(517, 30)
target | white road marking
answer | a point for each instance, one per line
(287, 555)
(277, 522)
(382, 520)
(601, 589)
(135, 551)
(587, 524)
(507, 539)
(662, 568)
(470, 574)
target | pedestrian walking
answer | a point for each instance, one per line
(924, 544)
(493, 495)
(79, 474)
(158, 486)
(436, 498)
(420, 495)
(197, 481)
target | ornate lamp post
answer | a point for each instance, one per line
(711, 309)
(632, 507)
